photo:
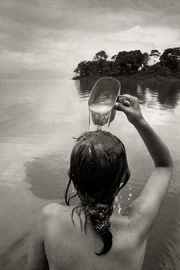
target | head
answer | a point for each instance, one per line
(98, 169)
(98, 166)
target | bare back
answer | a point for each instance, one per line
(67, 247)
(60, 245)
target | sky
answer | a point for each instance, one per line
(48, 38)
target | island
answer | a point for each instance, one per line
(133, 64)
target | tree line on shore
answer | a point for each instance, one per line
(132, 63)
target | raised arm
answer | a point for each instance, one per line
(145, 208)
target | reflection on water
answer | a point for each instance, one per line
(84, 87)
(165, 93)
(38, 121)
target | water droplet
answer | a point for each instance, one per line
(128, 199)
(119, 208)
(130, 194)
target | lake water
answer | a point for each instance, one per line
(39, 119)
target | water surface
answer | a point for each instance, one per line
(39, 119)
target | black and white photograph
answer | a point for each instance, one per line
(89, 135)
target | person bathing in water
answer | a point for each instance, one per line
(90, 236)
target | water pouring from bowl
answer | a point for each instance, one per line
(101, 103)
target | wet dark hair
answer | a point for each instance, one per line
(98, 169)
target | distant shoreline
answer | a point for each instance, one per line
(121, 77)
(131, 77)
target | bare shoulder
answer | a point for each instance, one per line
(51, 208)
(51, 211)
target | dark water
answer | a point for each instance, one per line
(39, 119)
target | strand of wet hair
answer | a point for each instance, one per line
(82, 207)
(72, 197)
(66, 193)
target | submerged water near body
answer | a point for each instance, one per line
(39, 119)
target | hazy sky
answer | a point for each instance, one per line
(48, 38)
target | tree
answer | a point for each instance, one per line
(155, 54)
(81, 69)
(100, 56)
(129, 62)
(171, 58)
(146, 60)
(113, 58)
